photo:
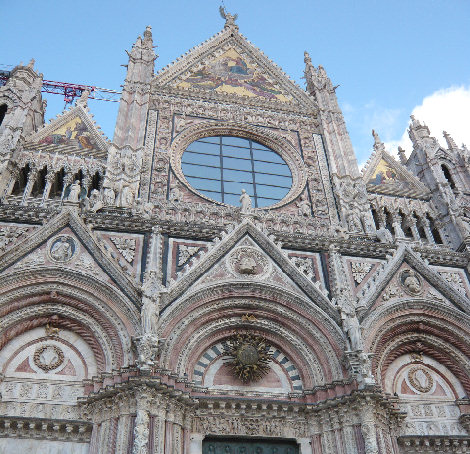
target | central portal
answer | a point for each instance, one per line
(248, 446)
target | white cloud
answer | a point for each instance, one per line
(444, 110)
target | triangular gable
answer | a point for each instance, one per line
(268, 247)
(228, 64)
(72, 132)
(380, 287)
(384, 175)
(56, 225)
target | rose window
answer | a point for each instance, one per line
(220, 167)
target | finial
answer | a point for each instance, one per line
(148, 33)
(229, 19)
(414, 121)
(83, 100)
(378, 144)
(401, 155)
(307, 59)
(31, 63)
(450, 141)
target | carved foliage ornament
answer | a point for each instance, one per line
(360, 270)
(249, 357)
(48, 357)
(126, 246)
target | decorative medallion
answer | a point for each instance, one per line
(411, 282)
(248, 262)
(420, 379)
(48, 357)
(249, 356)
(62, 248)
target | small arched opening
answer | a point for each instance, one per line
(448, 176)
(20, 183)
(3, 112)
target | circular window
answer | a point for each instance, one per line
(220, 167)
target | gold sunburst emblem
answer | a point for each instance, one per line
(249, 356)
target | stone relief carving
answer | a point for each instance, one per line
(411, 282)
(420, 379)
(360, 270)
(126, 246)
(248, 262)
(455, 280)
(392, 291)
(48, 357)
(9, 234)
(186, 252)
(305, 265)
(62, 249)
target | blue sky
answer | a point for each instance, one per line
(391, 58)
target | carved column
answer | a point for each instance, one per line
(13, 176)
(50, 177)
(32, 175)
(369, 430)
(141, 428)
(427, 229)
(411, 222)
(159, 427)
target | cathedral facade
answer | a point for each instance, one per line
(221, 277)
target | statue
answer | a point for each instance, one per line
(352, 328)
(354, 222)
(175, 193)
(125, 197)
(141, 208)
(384, 235)
(73, 192)
(304, 206)
(245, 202)
(109, 197)
(149, 312)
(94, 202)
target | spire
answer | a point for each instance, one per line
(141, 58)
(450, 141)
(417, 131)
(402, 156)
(229, 19)
(378, 144)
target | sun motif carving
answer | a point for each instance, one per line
(48, 357)
(249, 357)
(420, 379)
